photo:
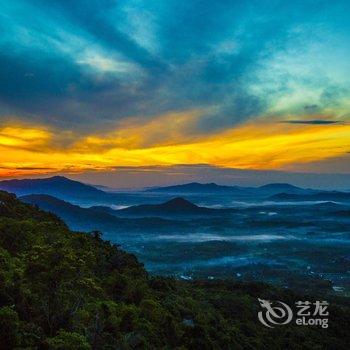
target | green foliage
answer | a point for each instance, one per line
(69, 290)
(9, 327)
(68, 341)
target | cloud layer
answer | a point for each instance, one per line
(259, 144)
(91, 71)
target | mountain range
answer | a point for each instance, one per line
(93, 218)
(212, 188)
(180, 214)
(175, 207)
(80, 193)
(76, 217)
(57, 186)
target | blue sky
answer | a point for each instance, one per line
(69, 63)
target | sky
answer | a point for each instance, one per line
(91, 88)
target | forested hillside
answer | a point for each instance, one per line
(69, 290)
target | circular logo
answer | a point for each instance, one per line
(274, 315)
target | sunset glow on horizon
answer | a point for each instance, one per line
(236, 84)
(258, 144)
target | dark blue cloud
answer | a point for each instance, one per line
(86, 64)
(312, 122)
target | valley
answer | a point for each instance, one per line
(214, 232)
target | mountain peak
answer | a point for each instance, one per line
(57, 186)
(178, 203)
(58, 178)
(174, 206)
(278, 185)
(209, 184)
(194, 187)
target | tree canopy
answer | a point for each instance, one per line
(72, 290)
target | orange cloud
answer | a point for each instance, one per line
(16, 136)
(166, 140)
(133, 133)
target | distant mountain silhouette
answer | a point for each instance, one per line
(58, 186)
(195, 187)
(87, 219)
(75, 216)
(176, 206)
(275, 188)
(321, 196)
(179, 204)
(212, 188)
(78, 192)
